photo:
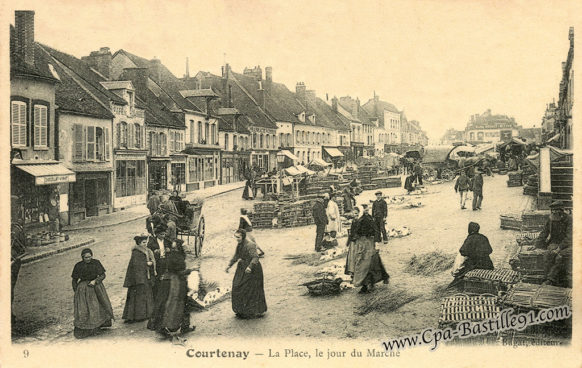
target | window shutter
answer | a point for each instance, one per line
(164, 144)
(19, 136)
(37, 126)
(107, 145)
(90, 143)
(78, 145)
(45, 119)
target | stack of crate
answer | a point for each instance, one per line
(531, 185)
(263, 214)
(296, 214)
(534, 220)
(514, 179)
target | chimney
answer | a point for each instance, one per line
(300, 91)
(269, 74)
(156, 66)
(100, 61)
(356, 108)
(187, 75)
(229, 102)
(334, 103)
(24, 42)
(310, 96)
(261, 91)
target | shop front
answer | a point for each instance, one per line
(233, 166)
(333, 155)
(178, 172)
(158, 174)
(358, 149)
(130, 182)
(90, 195)
(38, 188)
(203, 169)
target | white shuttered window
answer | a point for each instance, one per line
(18, 124)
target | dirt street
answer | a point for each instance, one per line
(44, 297)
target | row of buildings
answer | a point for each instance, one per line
(97, 134)
(557, 119)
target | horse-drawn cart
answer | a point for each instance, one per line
(191, 223)
(442, 162)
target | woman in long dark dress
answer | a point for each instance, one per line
(170, 316)
(141, 271)
(351, 256)
(92, 306)
(248, 192)
(248, 294)
(476, 250)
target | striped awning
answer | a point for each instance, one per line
(47, 174)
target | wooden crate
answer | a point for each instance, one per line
(489, 281)
(510, 221)
(458, 308)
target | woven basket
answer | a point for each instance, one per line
(531, 262)
(532, 297)
(455, 309)
(489, 281)
(323, 286)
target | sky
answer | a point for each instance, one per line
(439, 61)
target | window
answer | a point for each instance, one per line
(129, 178)
(268, 140)
(199, 132)
(122, 134)
(99, 144)
(226, 141)
(192, 131)
(78, 142)
(261, 138)
(163, 144)
(40, 126)
(234, 142)
(207, 133)
(18, 123)
(180, 141)
(90, 143)
(138, 135)
(213, 138)
(297, 136)
(254, 140)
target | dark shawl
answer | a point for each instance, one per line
(87, 271)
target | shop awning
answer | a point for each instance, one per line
(292, 171)
(319, 162)
(46, 174)
(333, 152)
(304, 170)
(288, 154)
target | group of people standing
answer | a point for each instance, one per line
(326, 216)
(464, 184)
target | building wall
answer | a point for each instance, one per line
(392, 126)
(31, 92)
(194, 136)
(285, 134)
(487, 135)
(309, 139)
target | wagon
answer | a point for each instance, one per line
(442, 162)
(191, 223)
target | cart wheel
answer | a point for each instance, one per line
(448, 174)
(199, 237)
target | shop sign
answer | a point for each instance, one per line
(54, 179)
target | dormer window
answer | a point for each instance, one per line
(302, 117)
(131, 100)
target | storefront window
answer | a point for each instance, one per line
(178, 174)
(129, 178)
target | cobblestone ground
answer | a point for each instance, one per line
(44, 297)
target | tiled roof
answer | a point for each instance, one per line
(90, 78)
(206, 92)
(40, 69)
(111, 85)
(73, 94)
(165, 79)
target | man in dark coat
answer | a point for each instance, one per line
(556, 238)
(160, 246)
(418, 172)
(320, 219)
(380, 213)
(153, 202)
(477, 190)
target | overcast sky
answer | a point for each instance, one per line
(440, 61)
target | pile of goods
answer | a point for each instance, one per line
(527, 238)
(45, 238)
(531, 185)
(418, 190)
(320, 185)
(430, 264)
(399, 232)
(295, 214)
(534, 220)
(387, 182)
(396, 200)
(333, 253)
(263, 214)
(458, 308)
(514, 179)
(414, 204)
(529, 262)
(510, 221)
(489, 281)
(199, 297)
(335, 272)
(324, 285)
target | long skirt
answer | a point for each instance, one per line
(139, 304)
(92, 309)
(248, 293)
(170, 312)
(365, 262)
(377, 271)
(351, 259)
(248, 192)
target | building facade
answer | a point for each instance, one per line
(489, 128)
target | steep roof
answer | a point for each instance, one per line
(40, 69)
(87, 76)
(165, 79)
(73, 94)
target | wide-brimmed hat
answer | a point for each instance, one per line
(378, 192)
(160, 228)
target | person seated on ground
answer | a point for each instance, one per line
(556, 239)
(476, 250)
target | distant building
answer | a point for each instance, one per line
(489, 128)
(452, 136)
(531, 134)
(549, 119)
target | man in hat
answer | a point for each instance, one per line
(380, 213)
(477, 190)
(556, 238)
(320, 219)
(417, 169)
(160, 246)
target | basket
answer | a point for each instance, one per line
(458, 308)
(510, 221)
(324, 286)
(489, 281)
(533, 297)
(530, 262)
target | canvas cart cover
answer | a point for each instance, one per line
(436, 154)
(462, 152)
